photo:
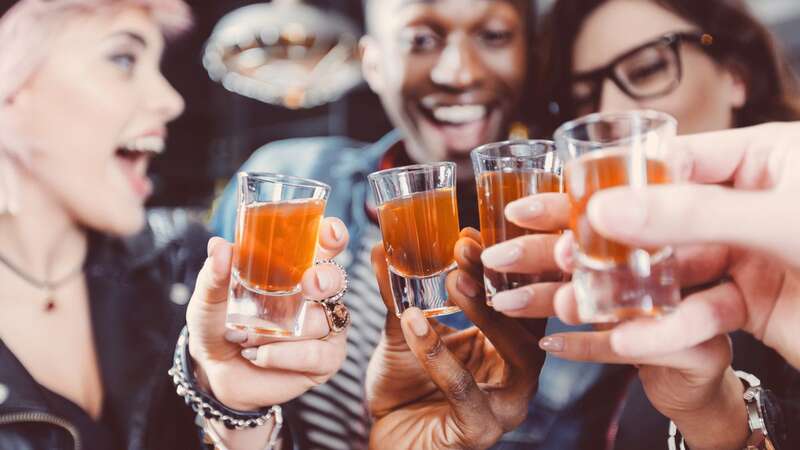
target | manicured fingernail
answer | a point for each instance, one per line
(618, 210)
(501, 255)
(553, 344)
(467, 285)
(338, 231)
(235, 336)
(418, 322)
(324, 281)
(512, 300)
(250, 353)
(525, 209)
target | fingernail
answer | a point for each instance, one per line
(619, 210)
(418, 322)
(467, 285)
(338, 232)
(553, 344)
(512, 300)
(324, 281)
(250, 353)
(235, 336)
(524, 209)
(501, 255)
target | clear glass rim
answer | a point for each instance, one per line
(285, 179)
(481, 152)
(561, 132)
(414, 168)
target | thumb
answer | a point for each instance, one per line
(392, 330)
(690, 214)
(206, 313)
(471, 409)
(214, 277)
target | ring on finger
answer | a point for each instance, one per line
(336, 313)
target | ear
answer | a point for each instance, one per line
(737, 86)
(371, 63)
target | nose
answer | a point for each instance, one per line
(165, 100)
(458, 66)
(613, 99)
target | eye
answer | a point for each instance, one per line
(496, 38)
(125, 61)
(420, 39)
(644, 73)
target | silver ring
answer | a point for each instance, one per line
(336, 312)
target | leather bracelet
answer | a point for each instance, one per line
(205, 405)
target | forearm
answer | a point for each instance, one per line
(722, 423)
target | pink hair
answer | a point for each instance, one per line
(27, 31)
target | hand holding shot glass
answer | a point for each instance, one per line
(505, 172)
(277, 231)
(613, 281)
(418, 217)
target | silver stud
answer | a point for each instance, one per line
(4, 393)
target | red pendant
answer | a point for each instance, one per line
(50, 305)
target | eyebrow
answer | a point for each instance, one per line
(136, 37)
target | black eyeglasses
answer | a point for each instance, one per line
(648, 71)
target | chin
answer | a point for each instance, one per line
(120, 224)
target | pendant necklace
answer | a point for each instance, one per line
(49, 287)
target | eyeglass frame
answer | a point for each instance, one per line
(672, 40)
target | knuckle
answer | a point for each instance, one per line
(433, 352)
(459, 387)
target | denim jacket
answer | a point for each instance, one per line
(575, 401)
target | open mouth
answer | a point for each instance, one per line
(134, 157)
(460, 127)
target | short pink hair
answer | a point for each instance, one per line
(27, 31)
(27, 28)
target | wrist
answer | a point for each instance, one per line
(721, 423)
(263, 437)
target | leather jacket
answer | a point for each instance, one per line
(138, 291)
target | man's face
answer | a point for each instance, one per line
(449, 72)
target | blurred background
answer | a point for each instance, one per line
(314, 88)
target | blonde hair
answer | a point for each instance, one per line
(27, 31)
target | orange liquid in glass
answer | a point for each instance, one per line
(420, 232)
(276, 243)
(495, 191)
(593, 172)
(498, 189)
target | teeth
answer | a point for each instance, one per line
(459, 114)
(151, 144)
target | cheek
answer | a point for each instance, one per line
(700, 102)
(74, 161)
(507, 69)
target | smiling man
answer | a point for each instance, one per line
(450, 75)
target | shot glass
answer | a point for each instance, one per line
(613, 281)
(277, 228)
(504, 172)
(418, 217)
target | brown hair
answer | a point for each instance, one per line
(741, 43)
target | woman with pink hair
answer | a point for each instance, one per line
(92, 305)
